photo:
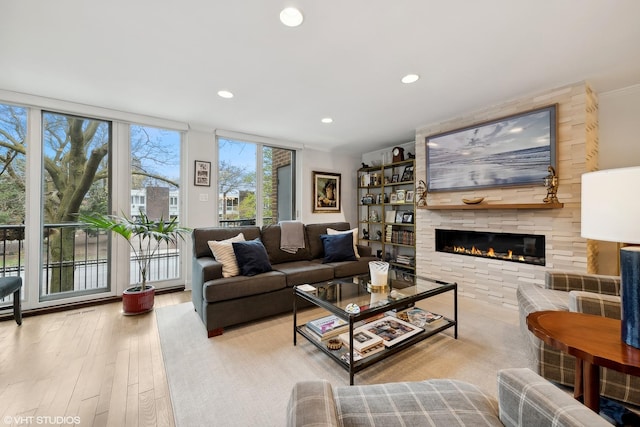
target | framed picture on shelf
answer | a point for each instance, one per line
(393, 198)
(399, 216)
(202, 174)
(326, 192)
(395, 177)
(410, 196)
(390, 217)
(407, 175)
(401, 194)
(407, 217)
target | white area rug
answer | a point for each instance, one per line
(244, 377)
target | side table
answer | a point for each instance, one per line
(594, 341)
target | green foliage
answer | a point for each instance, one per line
(144, 235)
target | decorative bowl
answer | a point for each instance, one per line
(473, 201)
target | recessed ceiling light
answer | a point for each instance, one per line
(291, 17)
(410, 78)
(327, 120)
(225, 94)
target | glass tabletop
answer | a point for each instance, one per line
(347, 292)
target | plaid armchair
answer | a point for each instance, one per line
(586, 293)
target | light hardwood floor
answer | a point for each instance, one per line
(91, 364)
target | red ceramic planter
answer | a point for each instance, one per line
(138, 302)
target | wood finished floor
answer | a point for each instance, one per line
(92, 363)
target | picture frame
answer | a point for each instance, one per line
(407, 217)
(400, 196)
(395, 178)
(327, 192)
(410, 196)
(399, 216)
(407, 175)
(393, 198)
(202, 173)
(515, 150)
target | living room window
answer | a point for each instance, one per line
(13, 141)
(155, 179)
(75, 178)
(256, 183)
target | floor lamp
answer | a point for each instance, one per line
(611, 212)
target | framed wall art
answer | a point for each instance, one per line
(202, 173)
(510, 151)
(326, 192)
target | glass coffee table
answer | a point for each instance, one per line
(355, 304)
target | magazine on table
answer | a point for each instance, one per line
(328, 326)
(362, 339)
(392, 330)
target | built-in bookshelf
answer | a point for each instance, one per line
(386, 211)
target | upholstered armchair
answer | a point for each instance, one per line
(586, 293)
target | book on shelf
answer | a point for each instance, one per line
(405, 259)
(357, 355)
(328, 326)
(392, 330)
(363, 340)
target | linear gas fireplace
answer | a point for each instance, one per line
(522, 248)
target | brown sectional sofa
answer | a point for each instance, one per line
(226, 301)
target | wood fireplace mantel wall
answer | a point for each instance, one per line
(496, 281)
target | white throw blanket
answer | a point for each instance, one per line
(291, 236)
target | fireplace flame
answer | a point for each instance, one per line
(490, 253)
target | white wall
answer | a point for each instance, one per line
(619, 128)
(199, 202)
(321, 161)
(619, 120)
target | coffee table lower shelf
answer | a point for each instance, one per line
(361, 364)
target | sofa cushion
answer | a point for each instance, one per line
(252, 257)
(351, 268)
(223, 252)
(200, 237)
(354, 232)
(242, 286)
(299, 272)
(313, 232)
(338, 247)
(271, 240)
(437, 402)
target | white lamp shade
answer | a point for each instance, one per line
(611, 205)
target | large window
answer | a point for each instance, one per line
(13, 130)
(75, 177)
(155, 185)
(256, 183)
(54, 166)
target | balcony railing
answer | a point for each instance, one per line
(75, 259)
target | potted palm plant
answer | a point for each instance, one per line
(144, 236)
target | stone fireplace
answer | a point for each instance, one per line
(511, 247)
(513, 211)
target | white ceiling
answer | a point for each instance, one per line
(169, 58)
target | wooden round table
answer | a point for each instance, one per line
(594, 341)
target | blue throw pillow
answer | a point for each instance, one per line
(252, 257)
(338, 247)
